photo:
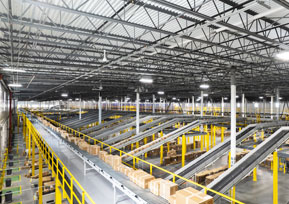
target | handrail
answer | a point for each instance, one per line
(136, 159)
(3, 168)
(54, 163)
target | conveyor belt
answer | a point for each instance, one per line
(201, 162)
(243, 167)
(133, 131)
(194, 166)
(98, 127)
(100, 172)
(109, 133)
(118, 125)
(173, 135)
(89, 120)
(76, 117)
(147, 133)
(160, 141)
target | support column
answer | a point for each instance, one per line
(79, 108)
(202, 127)
(40, 188)
(202, 103)
(277, 103)
(223, 106)
(243, 105)
(233, 117)
(33, 157)
(272, 107)
(264, 107)
(99, 109)
(137, 113)
(193, 105)
(154, 98)
(183, 150)
(121, 104)
(275, 178)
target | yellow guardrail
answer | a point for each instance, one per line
(4, 163)
(71, 188)
(136, 159)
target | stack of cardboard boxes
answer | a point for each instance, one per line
(190, 196)
(202, 176)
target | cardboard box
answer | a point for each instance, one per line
(46, 179)
(173, 199)
(125, 170)
(144, 179)
(185, 195)
(94, 149)
(116, 161)
(77, 140)
(133, 174)
(102, 154)
(83, 146)
(154, 186)
(192, 196)
(167, 188)
(108, 159)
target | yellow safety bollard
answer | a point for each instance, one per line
(255, 171)
(222, 134)
(161, 154)
(275, 178)
(183, 150)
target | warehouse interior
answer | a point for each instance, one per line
(144, 101)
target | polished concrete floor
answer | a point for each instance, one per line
(261, 191)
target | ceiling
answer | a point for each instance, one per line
(180, 44)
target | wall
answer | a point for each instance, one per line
(4, 117)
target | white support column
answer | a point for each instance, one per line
(79, 108)
(202, 103)
(106, 104)
(222, 106)
(277, 103)
(243, 105)
(233, 117)
(120, 104)
(272, 107)
(264, 107)
(160, 105)
(137, 113)
(99, 109)
(154, 98)
(193, 105)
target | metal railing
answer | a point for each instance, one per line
(72, 190)
(4, 164)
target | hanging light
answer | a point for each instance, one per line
(15, 85)
(261, 97)
(64, 94)
(13, 70)
(161, 92)
(104, 56)
(146, 80)
(283, 56)
(204, 86)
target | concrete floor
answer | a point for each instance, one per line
(261, 191)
